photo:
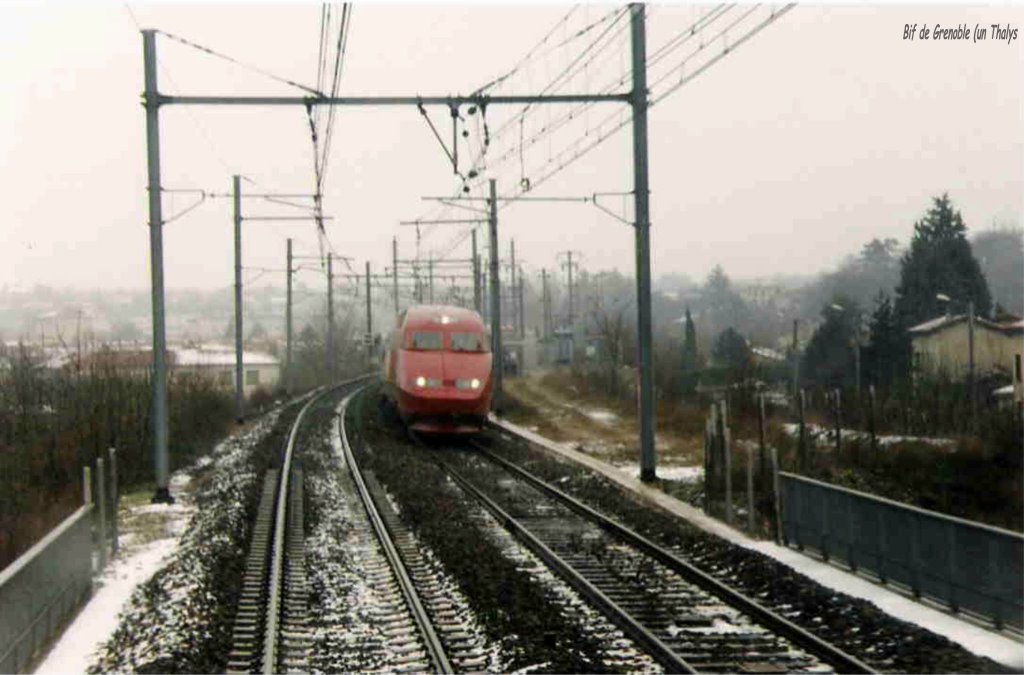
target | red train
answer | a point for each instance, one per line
(437, 369)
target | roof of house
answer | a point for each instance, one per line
(218, 355)
(939, 323)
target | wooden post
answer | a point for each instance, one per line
(762, 458)
(750, 489)
(708, 426)
(86, 485)
(802, 442)
(727, 462)
(780, 537)
(101, 501)
(837, 411)
(115, 499)
(871, 423)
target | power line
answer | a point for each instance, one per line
(247, 66)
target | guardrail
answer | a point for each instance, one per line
(965, 565)
(47, 584)
(43, 588)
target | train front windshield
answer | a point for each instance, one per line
(426, 341)
(467, 342)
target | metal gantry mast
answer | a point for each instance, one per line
(637, 98)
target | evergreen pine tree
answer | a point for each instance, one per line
(882, 355)
(939, 261)
(829, 357)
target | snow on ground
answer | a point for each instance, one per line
(685, 474)
(974, 638)
(602, 416)
(160, 527)
(823, 435)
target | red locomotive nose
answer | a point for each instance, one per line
(438, 369)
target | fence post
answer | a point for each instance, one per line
(709, 424)
(802, 442)
(86, 500)
(115, 499)
(86, 485)
(777, 498)
(750, 489)
(871, 423)
(727, 461)
(837, 405)
(762, 459)
(101, 502)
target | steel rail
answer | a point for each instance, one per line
(275, 582)
(661, 652)
(271, 631)
(432, 642)
(828, 653)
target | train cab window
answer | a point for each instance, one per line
(467, 342)
(426, 340)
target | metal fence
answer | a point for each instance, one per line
(42, 589)
(965, 565)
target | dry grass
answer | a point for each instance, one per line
(560, 407)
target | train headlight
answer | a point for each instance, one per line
(474, 383)
(421, 381)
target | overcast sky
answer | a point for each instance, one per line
(827, 128)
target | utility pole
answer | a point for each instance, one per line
(288, 326)
(513, 306)
(643, 262)
(495, 306)
(329, 356)
(369, 316)
(394, 270)
(522, 308)
(430, 277)
(476, 274)
(239, 392)
(796, 360)
(161, 461)
(569, 267)
(546, 302)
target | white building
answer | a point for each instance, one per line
(218, 362)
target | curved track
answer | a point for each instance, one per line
(270, 633)
(396, 553)
(689, 621)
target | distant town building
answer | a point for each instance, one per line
(941, 347)
(216, 362)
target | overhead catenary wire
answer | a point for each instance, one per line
(608, 125)
(247, 66)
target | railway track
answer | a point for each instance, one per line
(687, 620)
(270, 630)
(446, 641)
